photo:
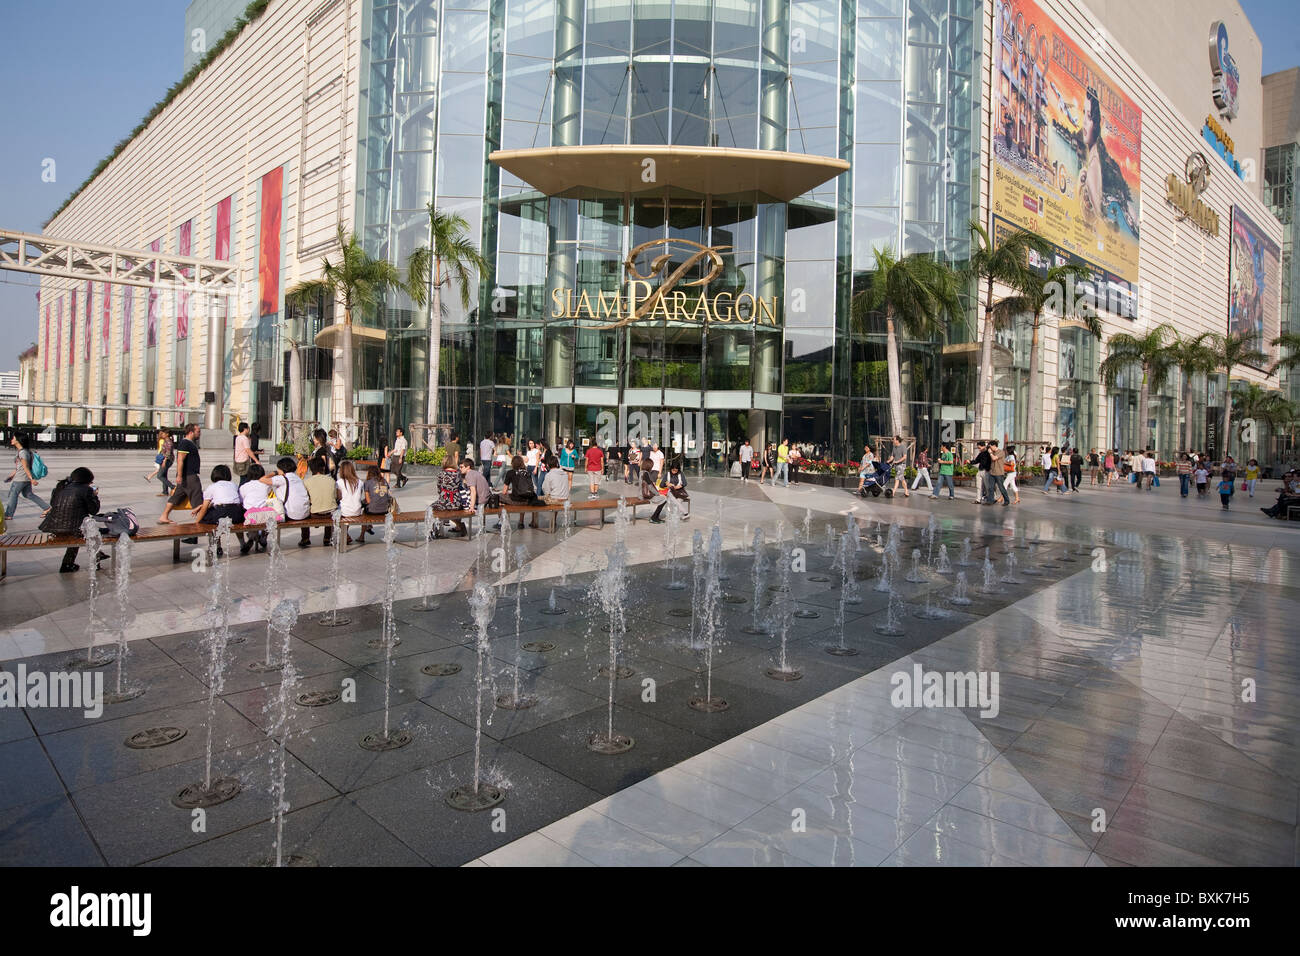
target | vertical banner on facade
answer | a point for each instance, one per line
(268, 260)
(106, 316)
(1254, 283)
(72, 335)
(89, 319)
(58, 335)
(181, 346)
(46, 350)
(221, 242)
(151, 317)
(128, 308)
(1067, 146)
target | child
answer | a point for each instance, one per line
(1225, 490)
(1252, 476)
(1202, 477)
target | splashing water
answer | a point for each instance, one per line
(483, 606)
(959, 590)
(1010, 576)
(697, 581)
(828, 549)
(611, 591)
(963, 560)
(916, 575)
(515, 700)
(709, 608)
(215, 640)
(94, 542)
(274, 571)
(427, 603)
(849, 591)
(283, 619)
(505, 548)
(944, 566)
(564, 540)
(388, 633)
(332, 619)
(672, 532)
(884, 582)
(990, 575)
(892, 626)
(123, 618)
(783, 615)
(807, 526)
(761, 566)
(931, 532)
(745, 548)
(1031, 559)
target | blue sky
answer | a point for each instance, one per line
(81, 74)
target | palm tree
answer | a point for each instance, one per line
(1038, 293)
(1147, 351)
(1291, 361)
(361, 282)
(1253, 402)
(1008, 265)
(914, 291)
(1231, 350)
(452, 258)
(1190, 356)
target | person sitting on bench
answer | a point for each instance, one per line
(676, 488)
(518, 488)
(75, 498)
(1288, 496)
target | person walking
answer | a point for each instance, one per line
(21, 481)
(1048, 475)
(947, 464)
(998, 474)
(782, 463)
(1009, 466)
(595, 467)
(160, 441)
(1149, 469)
(189, 488)
(244, 454)
(746, 461)
(983, 482)
(923, 470)
(397, 458)
(1094, 467)
(866, 467)
(1201, 474)
(769, 464)
(1252, 476)
(486, 448)
(74, 499)
(898, 465)
(1108, 465)
(568, 459)
(1076, 470)
(1225, 490)
(1184, 469)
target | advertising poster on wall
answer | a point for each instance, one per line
(1254, 283)
(1067, 147)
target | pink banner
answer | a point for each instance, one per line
(90, 297)
(183, 246)
(46, 350)
(58, 333)
(106, 319)
(72, 330)
(222, 244)
(128, 307)
(268, 264)
(151, 316)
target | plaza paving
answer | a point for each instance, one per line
(1121, 685)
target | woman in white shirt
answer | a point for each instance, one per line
(351, 498)
(1009, 463)
(253, 495)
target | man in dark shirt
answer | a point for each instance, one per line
(984, 464)
(189, 489)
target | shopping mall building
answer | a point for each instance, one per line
(677, 201)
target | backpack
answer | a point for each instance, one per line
(521, 485)
(119, 522)
(39, 470)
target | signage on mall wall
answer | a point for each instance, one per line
(642, 300)
(1227, 78)
(1185, 193)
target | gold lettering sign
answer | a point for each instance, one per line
(666, 301)
(1183, 196)
(1220, 133)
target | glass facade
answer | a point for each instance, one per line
(891, 86)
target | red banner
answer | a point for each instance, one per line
(183, 246)
(222, 243)
(128, 307)
(46, 350)
(107, 316)
(268, 263)
(90, 297)
(72, 330)
(58, 333)
(151, 318)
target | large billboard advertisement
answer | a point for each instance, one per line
(1067, 146)
(1254, 283)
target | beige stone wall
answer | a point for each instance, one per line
(1183, 273)
(284, 94)
(1282, 107)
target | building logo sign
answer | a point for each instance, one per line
(1185, 194)
(1227, 78)
(641, 299)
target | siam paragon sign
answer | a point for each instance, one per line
(641, 299)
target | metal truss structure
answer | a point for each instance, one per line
(67, 259)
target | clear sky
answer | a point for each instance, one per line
(80, 74)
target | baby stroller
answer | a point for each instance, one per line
(877, 481)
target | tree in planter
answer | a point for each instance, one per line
(914, 291)
(1231, 350)
(1260, 405)
(451, 258)
(1190, 355)
(361, 282)
(1146, 351)
(1054, 291)
(1008, 265)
